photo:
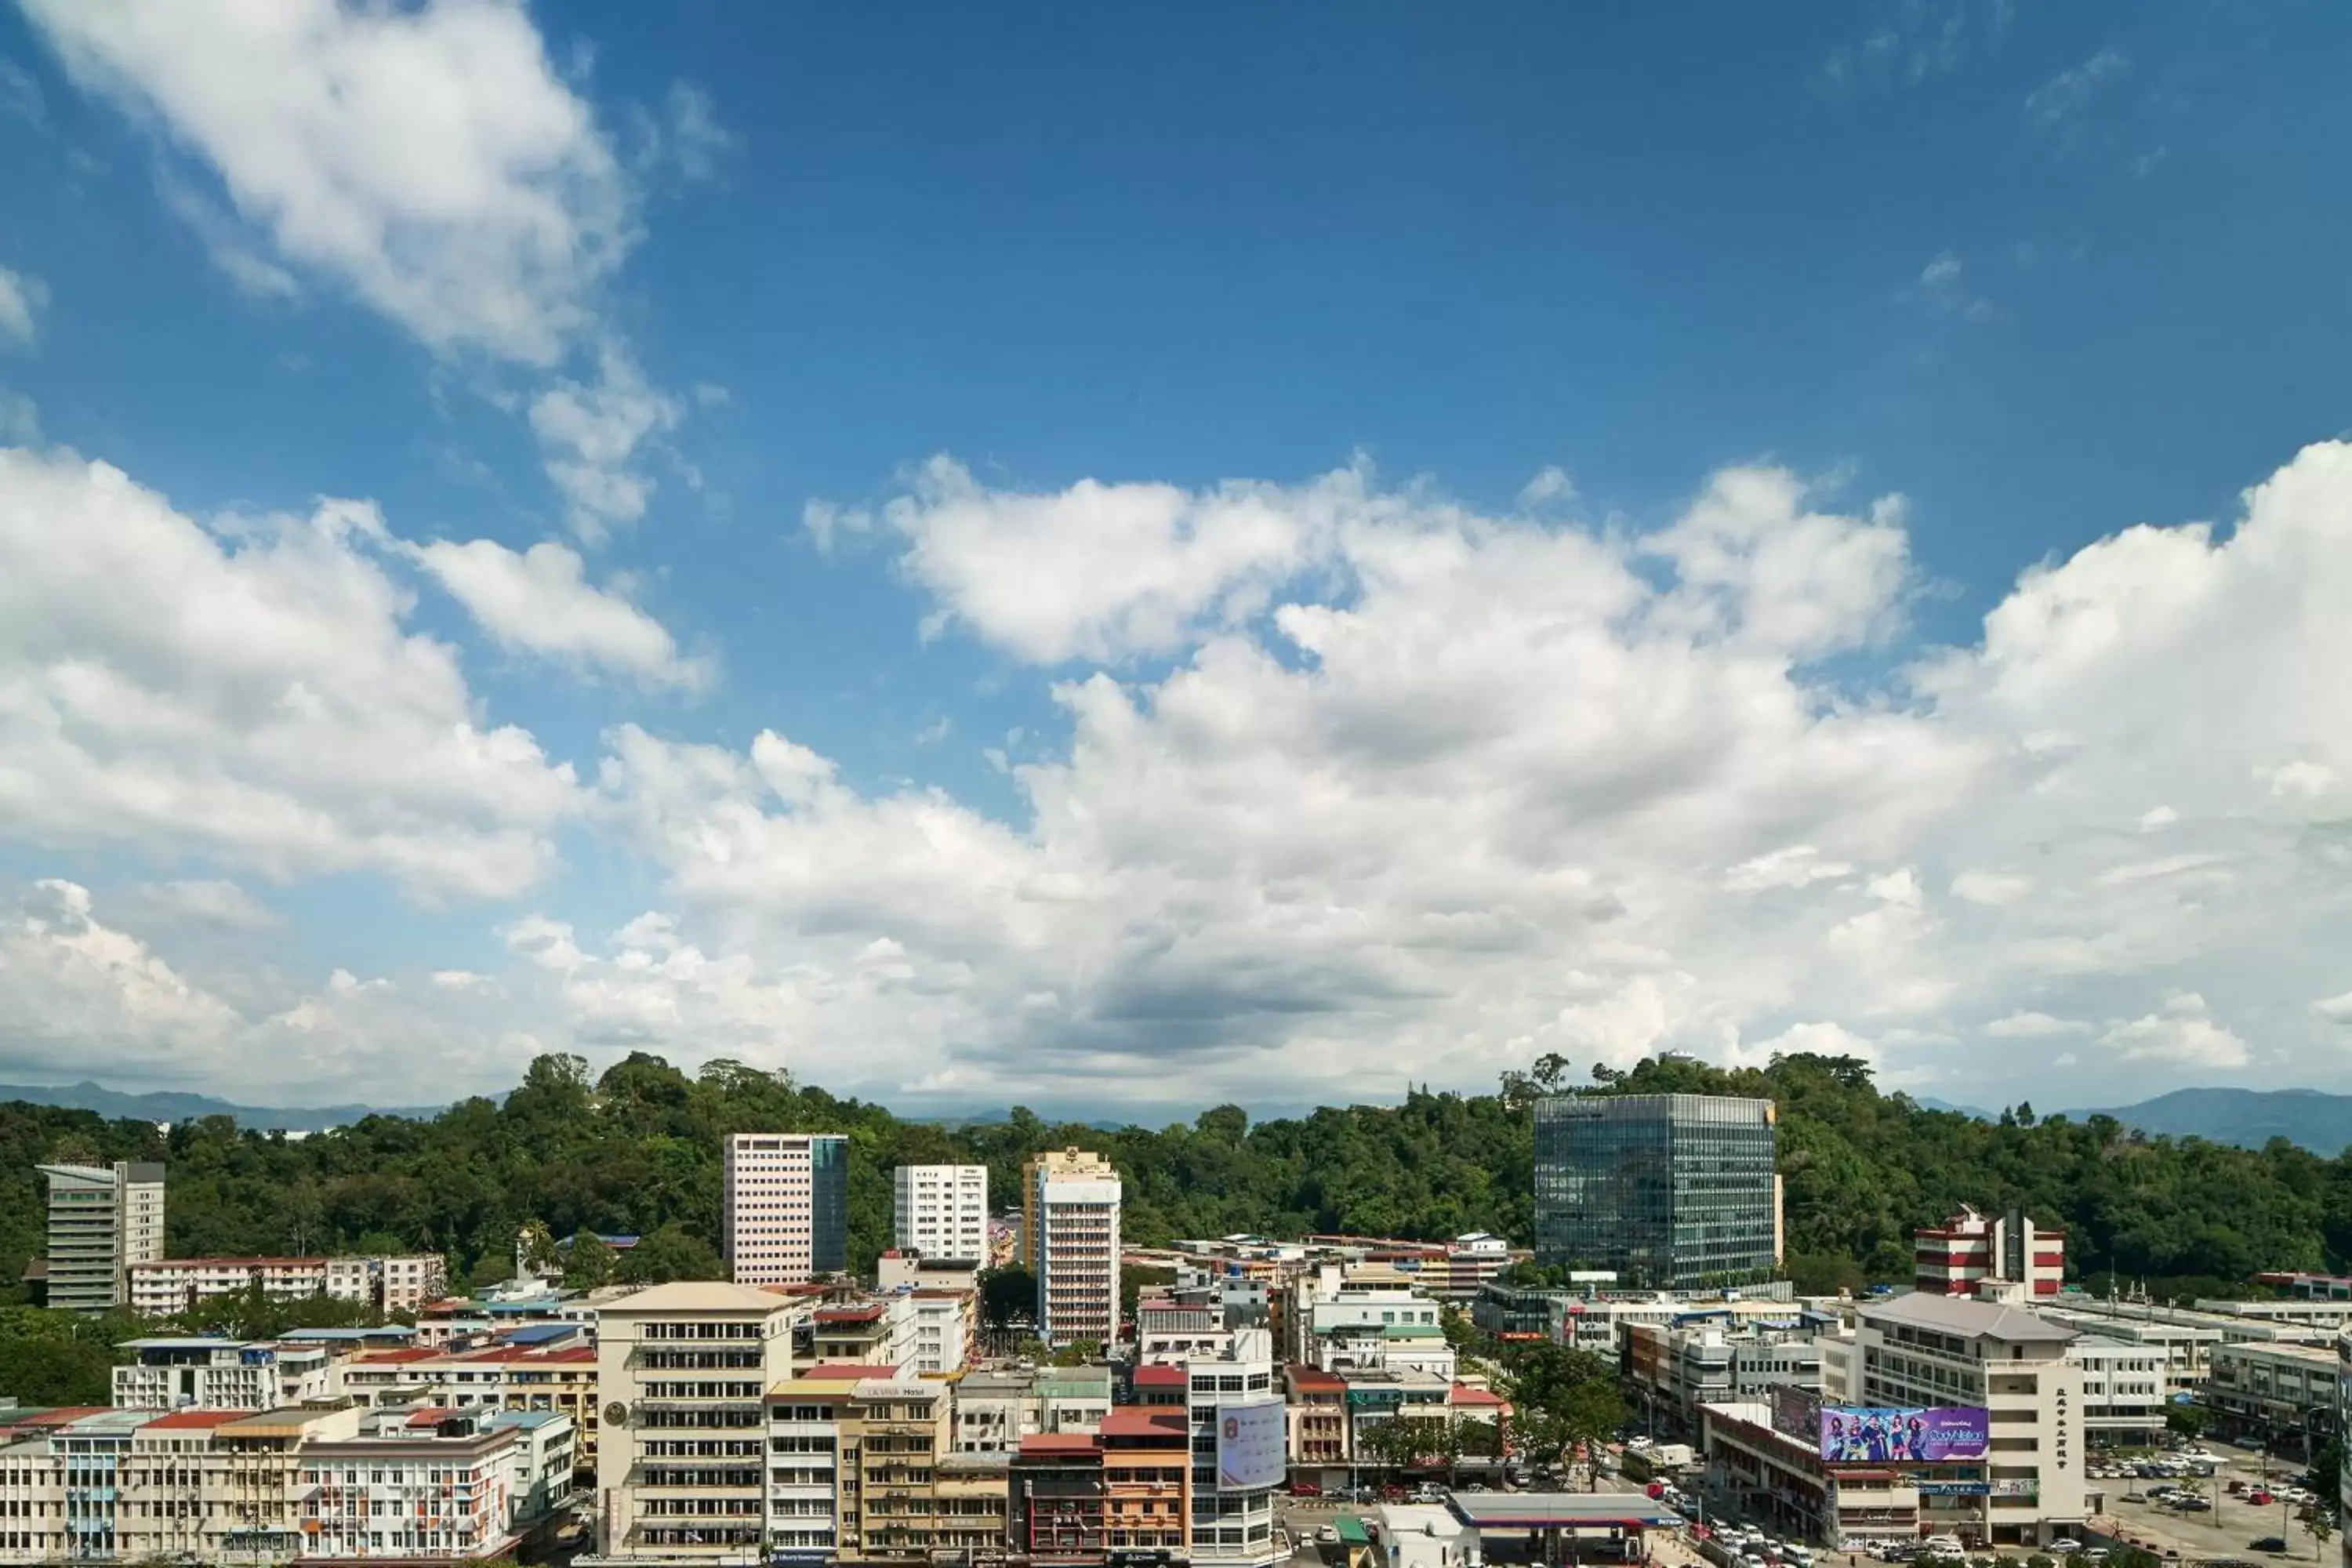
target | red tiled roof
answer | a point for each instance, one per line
(1159, 1376)
(1315, 1378)
(1135, 1421)
(183, 1420)
(402, 1356)
(1466, 1395)
(866, 1314)
(851, 1369)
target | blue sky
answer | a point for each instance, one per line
(1107, 457)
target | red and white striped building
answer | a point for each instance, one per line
(1959, 1255)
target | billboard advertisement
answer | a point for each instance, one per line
(1909, 1435)
(1251, 1445)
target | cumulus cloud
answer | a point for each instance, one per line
(1419, 793)
(2071, 92)
(539, 601)
(22, 299)
(82, 995)
(591, 432)
(2181, 1035)
(2029, 1025)
(249, 696)
(1453, 790)
(428, 158)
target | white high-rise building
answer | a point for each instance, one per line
(1239, 1449)
(786, 1201)
(943, 1211)
(1070, 1201)
(102, 1220)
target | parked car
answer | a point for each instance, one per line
(2065, 1546)
(1305, 1489)
(2259, 1498)
(2267, 1544)
(1327, 1535)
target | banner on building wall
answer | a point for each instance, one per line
(1250, 1444)
(1879, 1435)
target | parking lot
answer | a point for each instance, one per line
(2228, 1528)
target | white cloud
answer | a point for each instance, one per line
(692, 138)
(1944, 288)
(2071, 92)
(1461, 789)
(2335, 1009)
(251, 697)
(428, 158)
(2029, 1025)
(1551, 486)
(1991, 888)
(21, 96)
(1422, 793)
(20, 419)
(1796, 865)
(2182, 1035)
(539, 601)
(213, 902)
(1107, 572)
(84, 996)
(22, 299)
(1914, 42)
(1100, 572)
(590, 433)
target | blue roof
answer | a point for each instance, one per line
(540, 1333)
(525, 1417)
(354, 1336)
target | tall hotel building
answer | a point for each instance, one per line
(943, 1211)
(786, 1206)
(1069, 1209)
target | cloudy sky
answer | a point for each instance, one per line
(999, 554)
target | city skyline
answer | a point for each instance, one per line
(1233, 558)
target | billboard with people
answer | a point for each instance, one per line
(1881, 1435)
(1251, 1445)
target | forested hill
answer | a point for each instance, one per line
(637, 1150)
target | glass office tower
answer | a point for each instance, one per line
(1666, 1190)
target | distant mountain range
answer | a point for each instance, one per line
(2249, 1117)
(116, 1106)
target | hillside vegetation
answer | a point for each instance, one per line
(637, 1150)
